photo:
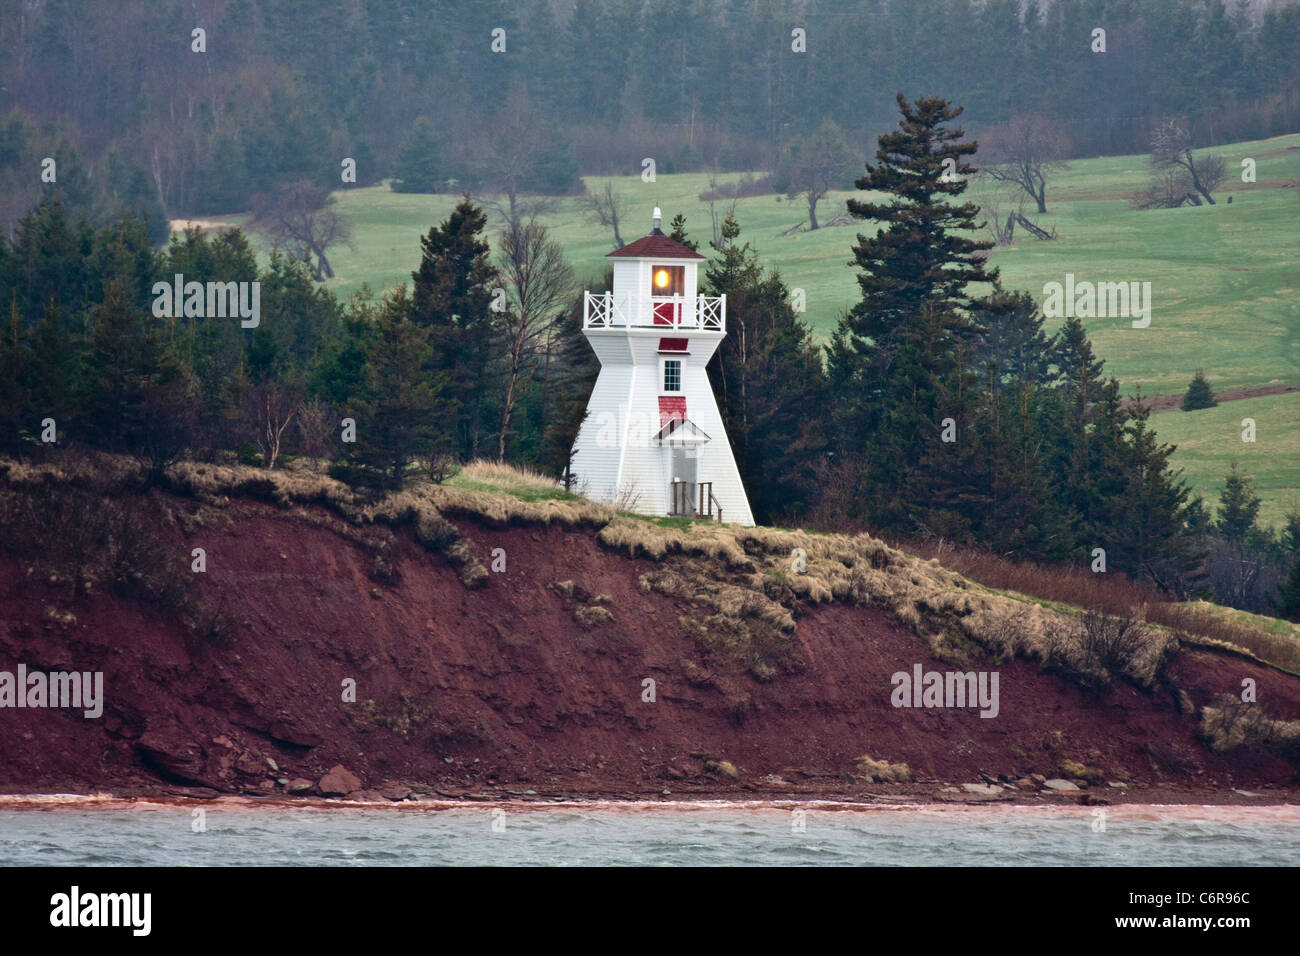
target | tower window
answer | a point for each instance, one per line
(667, 280)
(672, 375)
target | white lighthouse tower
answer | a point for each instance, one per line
(652, 441)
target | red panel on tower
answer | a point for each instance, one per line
(664, 312)
(670, 407)
(673, 345)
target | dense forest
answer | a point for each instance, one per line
(530, 94)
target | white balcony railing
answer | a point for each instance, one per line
(604, 310)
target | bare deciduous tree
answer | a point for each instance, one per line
(301, 215)
(1178, 176)
(606, 207)
(813, 166)
(509, 161)
(271, 407)
(538, 285)
(1001, 230)
(315, 428)
(1023, 153)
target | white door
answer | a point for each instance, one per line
(685, 478)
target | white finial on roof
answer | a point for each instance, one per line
(658, 218)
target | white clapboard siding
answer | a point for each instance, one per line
(616, 457)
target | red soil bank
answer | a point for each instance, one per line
(498, 690)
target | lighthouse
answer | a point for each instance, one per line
(653, 442)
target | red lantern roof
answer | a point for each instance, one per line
(656, 246)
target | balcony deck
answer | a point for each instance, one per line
(603, 310)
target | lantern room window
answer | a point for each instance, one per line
(667, 280)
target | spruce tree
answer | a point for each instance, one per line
(1080, 373)
(573, 375)
(1014, 342)
(15, 399)
(678, 233)
(452, 299)
(406, 414)
(899, 359)
(1238, 507)
(1099, 482)
(137, 397)
(1199, 395)
(52, 366)
(419, 160)
(768, 378)
(1159, 542)
(49, 260)
(1287, 602)
(921, 256)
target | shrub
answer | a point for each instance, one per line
(1198, 395)
(83, 541)
(1232, 723)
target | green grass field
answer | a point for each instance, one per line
(1210, 439)
(1225, 280)
(1225, 283)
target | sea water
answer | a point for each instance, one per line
(79, 831)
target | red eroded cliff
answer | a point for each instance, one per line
(501, 688)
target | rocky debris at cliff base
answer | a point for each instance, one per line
(392, 790)
(338, 782)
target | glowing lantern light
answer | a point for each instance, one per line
(661, 278)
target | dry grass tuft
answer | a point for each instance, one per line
(591, 616)
(723, 768)
(882, 771)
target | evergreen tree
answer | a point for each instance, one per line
(15, 400)
(1074, 452)
(53, 366)
(1014, 343)
(900, 358)
(678, 233)
(407, 413)
(1080, 371)
(338, 369)
(419, 161)
(122, 252)
(1199, 394)
(921, 257)
(1099, 482)
(1156, 501)
(49, 260)
(768, 377)
(1238, 507)
(129, 190)
(137, 397)
(1287, 603)
(214, 351)
(573, 375)
(1290, 536)
(452, 299)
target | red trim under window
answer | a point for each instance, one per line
(670, 407)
